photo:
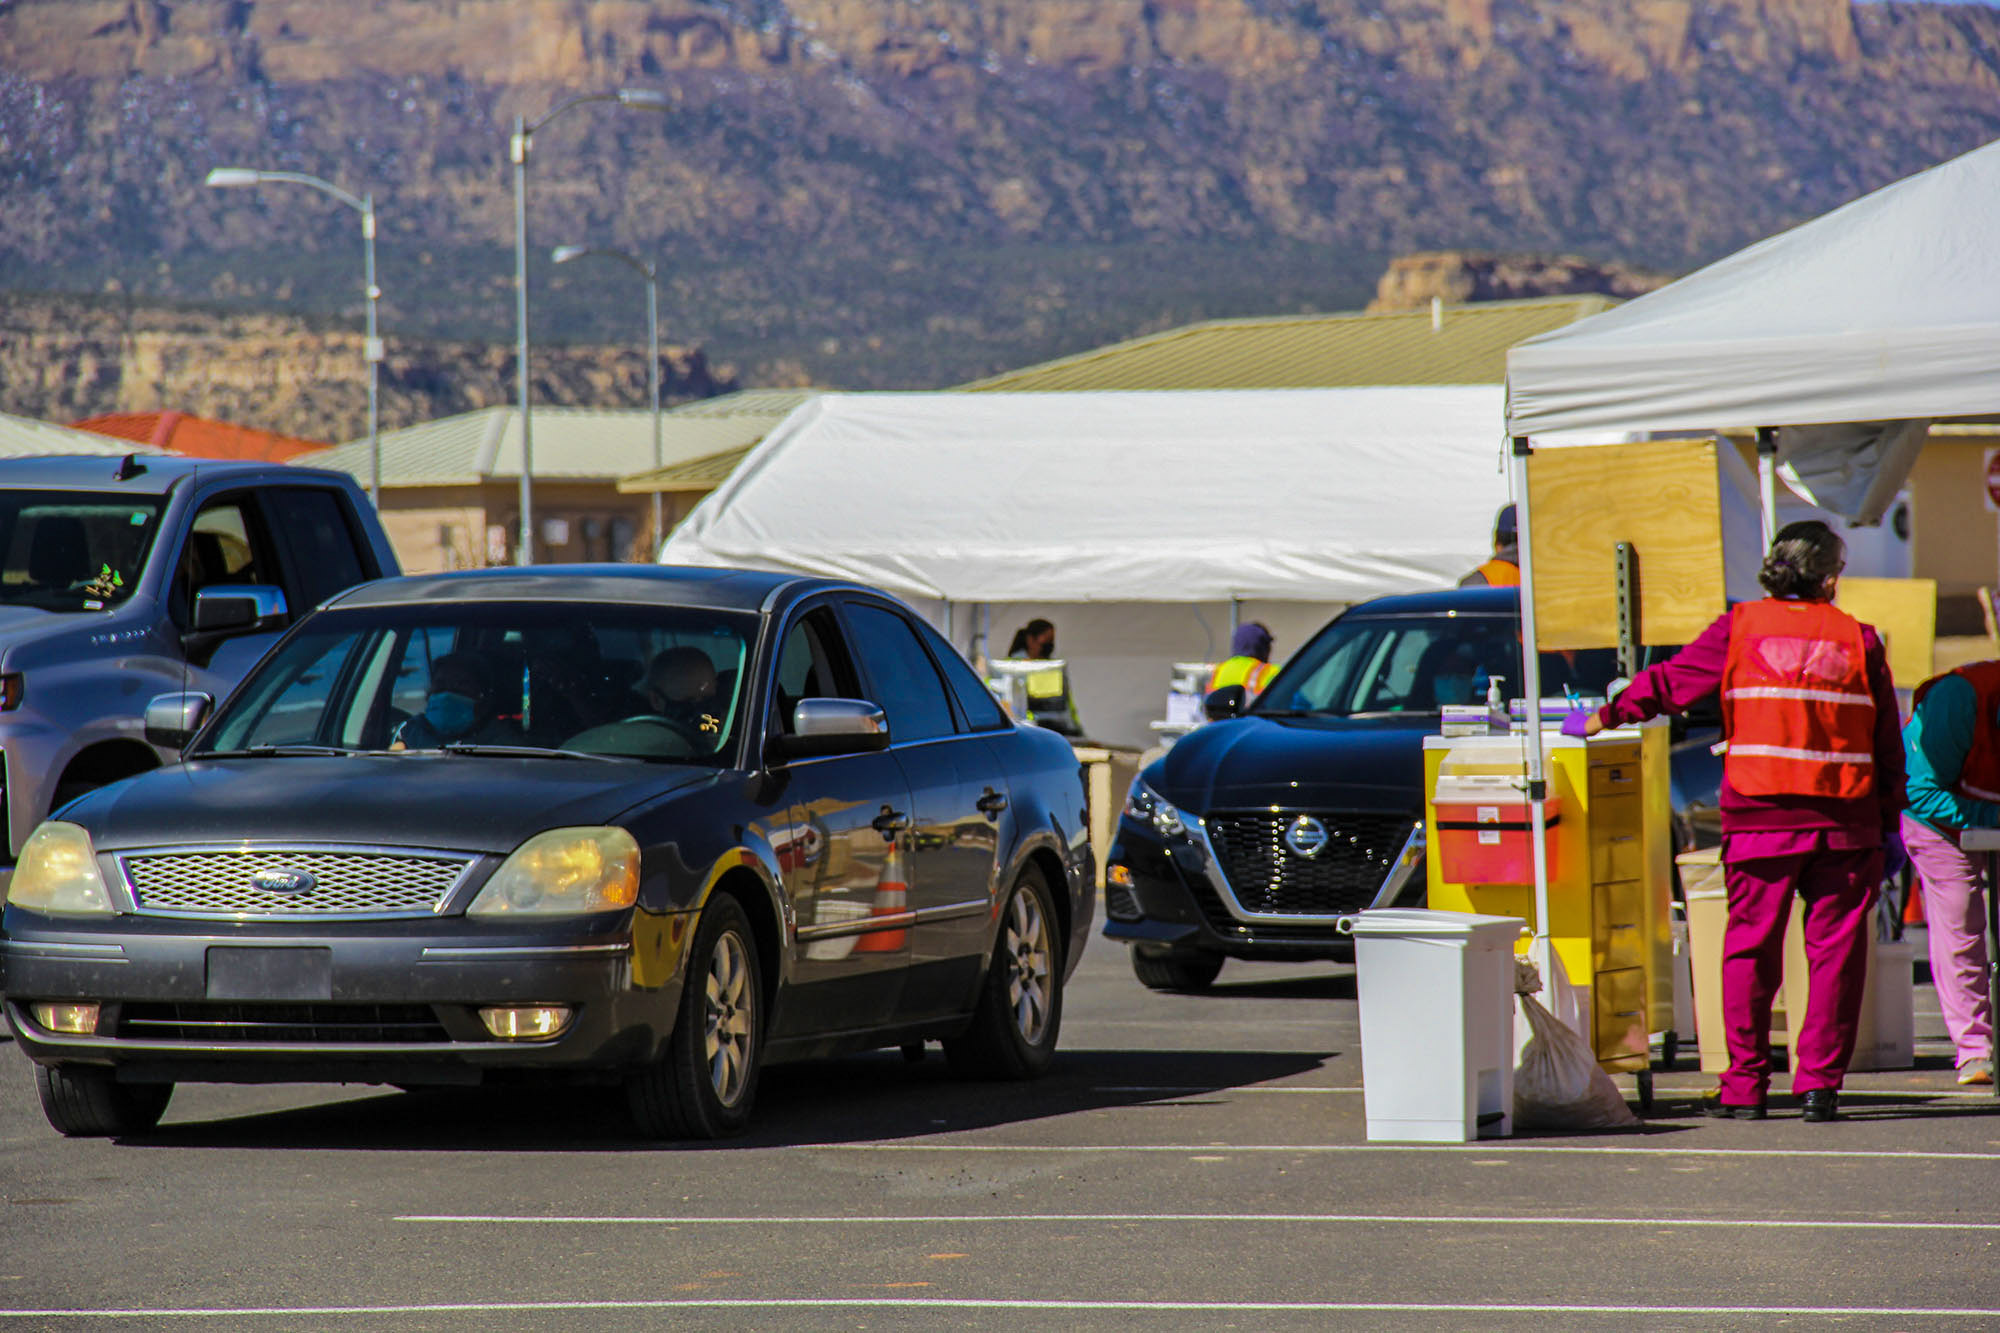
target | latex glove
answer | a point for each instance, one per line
(1895, 857)
(1577, 722)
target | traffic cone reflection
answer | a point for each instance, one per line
(892, 898)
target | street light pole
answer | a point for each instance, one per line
(562, 254)
(371, 347)
(517, 149)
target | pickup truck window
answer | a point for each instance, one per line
(73, 551)
(323, 550)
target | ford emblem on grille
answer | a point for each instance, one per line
(1307, 836)
(280, 880)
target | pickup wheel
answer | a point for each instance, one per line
(1014, 1028)
(88, 1101)
(1186, 973)
(704, 1085)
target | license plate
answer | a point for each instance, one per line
(270, 974)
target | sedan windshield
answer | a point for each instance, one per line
(500, 679)
(73, 551)
(1417, 664)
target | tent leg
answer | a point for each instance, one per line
(1767, 480)
(1531, 687)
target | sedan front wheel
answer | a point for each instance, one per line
(704, 1086)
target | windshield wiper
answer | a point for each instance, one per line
(518, 752)
(275, 752)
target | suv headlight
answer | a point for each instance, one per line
(564, 872)
(1148, 806)
(58, 874)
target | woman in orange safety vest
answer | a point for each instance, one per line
(1812, 787)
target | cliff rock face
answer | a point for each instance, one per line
(62, 360)
(834, 178)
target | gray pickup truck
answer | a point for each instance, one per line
(122, 579)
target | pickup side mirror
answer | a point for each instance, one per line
(171, 719)
(831, 726)
(238, 608)
(1227, 702)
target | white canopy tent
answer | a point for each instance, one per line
(1162, 509)
(1838, 340)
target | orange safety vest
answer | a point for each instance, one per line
(1979, 776)
(1796, 706)
(1249, 672)
(1501, 573)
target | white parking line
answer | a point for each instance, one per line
(963, 1303)
(1332, 1219)
(1491, 1147)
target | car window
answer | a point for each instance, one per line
(813, 663)
(900, 672)
(533, 674)
(976, 704)
(319, 541)
(1401, 664)
(63, 551)
(225, 546)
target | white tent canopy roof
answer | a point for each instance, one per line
(1885, 310)
(1323, 495)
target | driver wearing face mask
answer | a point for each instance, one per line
(457, 708)
(1446, 669)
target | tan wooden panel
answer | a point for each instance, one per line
(1904, 613)
(1662, 496)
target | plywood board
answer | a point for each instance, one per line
(1662, 496)
(1904, 613)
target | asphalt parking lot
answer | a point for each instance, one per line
(1194, 1162)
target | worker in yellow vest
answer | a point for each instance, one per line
(1504, 569)
(1249, 663)
(1048, 696)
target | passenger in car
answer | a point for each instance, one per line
(460, 706)
(681, 687)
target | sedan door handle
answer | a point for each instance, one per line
(991, 804)
(890, 822)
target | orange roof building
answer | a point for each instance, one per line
(198, 437)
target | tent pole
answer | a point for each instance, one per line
(1531, 686)
(1235, 617)
(1767, 479)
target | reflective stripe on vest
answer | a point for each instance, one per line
(1249, 672)
(1979, 775)
(1501, 573)
(1795, 702)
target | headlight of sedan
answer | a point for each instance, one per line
(1148, 806)
(564, 872)
(58, 874)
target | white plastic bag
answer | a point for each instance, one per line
(1559, 1084)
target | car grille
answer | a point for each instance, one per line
(1267, 876)
(319, 1024)
(345, 883)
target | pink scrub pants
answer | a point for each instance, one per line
(1955, 913)
(1837, 889)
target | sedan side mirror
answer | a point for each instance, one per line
(1227, 702)
(831, 726)
(171, 719)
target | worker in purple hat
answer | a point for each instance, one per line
(1249, 662)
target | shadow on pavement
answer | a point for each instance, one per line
(866, 1098)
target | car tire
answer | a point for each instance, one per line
(1185, 973)
(1019, 1015)
(88, 1101)
(706, 1082)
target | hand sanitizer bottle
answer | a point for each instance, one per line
(1496, 707)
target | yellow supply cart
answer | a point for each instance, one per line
(1610, 861)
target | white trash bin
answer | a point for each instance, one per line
(1437, 1022)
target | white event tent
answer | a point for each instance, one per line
(1839, 340)
(1160, 509)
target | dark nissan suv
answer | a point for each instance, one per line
(1253, 835)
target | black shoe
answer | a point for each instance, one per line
(1820, 1104)
(1727, 1111)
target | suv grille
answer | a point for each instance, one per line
(1268, 876)
(218, 883)
(319, 1024)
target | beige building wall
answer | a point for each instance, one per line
(439, 528)
(1955, 537)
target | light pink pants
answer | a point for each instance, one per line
(1955, 912)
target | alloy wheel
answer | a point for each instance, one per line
(1027, 953)
(729, 1027)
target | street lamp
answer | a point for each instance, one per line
(517, 149)
(562, 254)
(371, 348)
